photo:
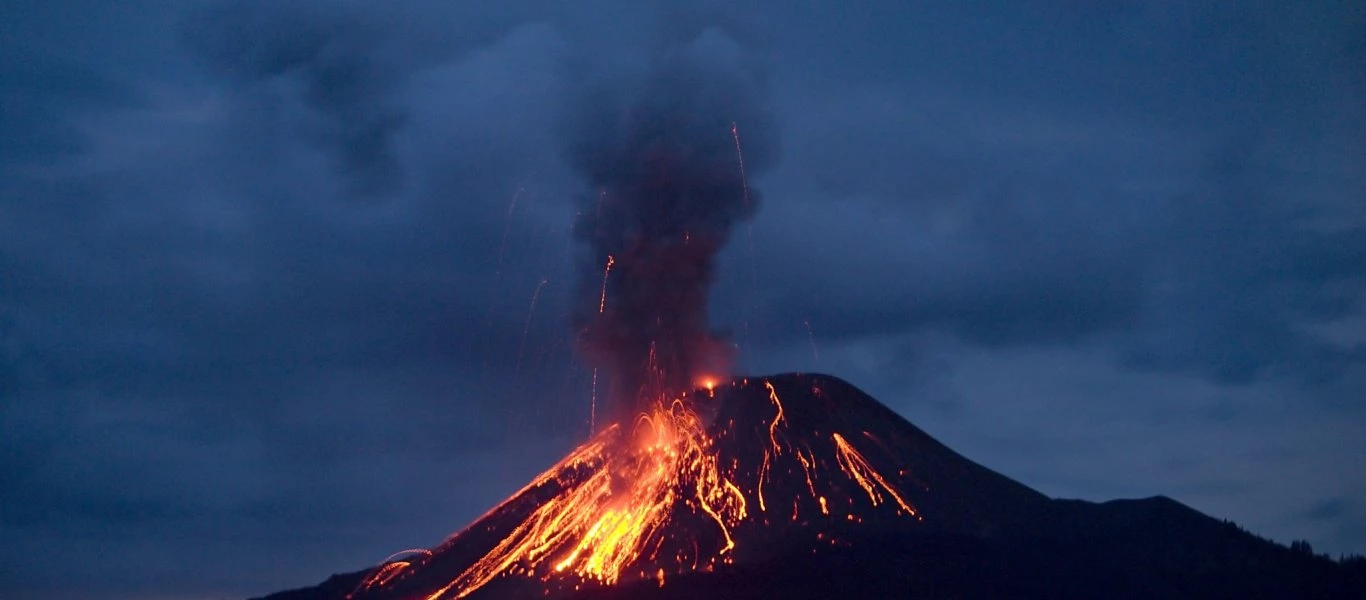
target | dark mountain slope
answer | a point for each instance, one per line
(824, 492)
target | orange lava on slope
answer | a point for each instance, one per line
(617, 515)
(603, 525)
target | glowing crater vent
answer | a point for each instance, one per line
(736, 470)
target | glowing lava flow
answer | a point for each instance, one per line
(668, 494)
(867, 477)
(601, 526)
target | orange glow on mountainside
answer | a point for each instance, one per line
(660, 496)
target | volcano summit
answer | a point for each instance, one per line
(803, 486)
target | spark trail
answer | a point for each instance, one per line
(740, 156)
(526, 327)
(606, 271)
(496, 287)
(507, 227)
(749, 231)
(810, 337)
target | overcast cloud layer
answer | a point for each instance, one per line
(267, 274)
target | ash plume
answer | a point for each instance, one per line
(660, 155)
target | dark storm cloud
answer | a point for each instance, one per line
(199, 339)
(1240, 269)
(1217, 279)
(330, 57)
(1012, 265)
(1329, 509)
(37, 94)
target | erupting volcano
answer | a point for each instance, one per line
(704, 485)
(681, 479)
(801, 486)
(747, 470)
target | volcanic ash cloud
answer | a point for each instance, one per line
(666, 153)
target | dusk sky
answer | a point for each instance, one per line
(286, 286)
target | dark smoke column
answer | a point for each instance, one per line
(666, 191)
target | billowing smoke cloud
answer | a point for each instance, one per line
(659, 153)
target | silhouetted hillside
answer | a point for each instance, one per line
(912, 519)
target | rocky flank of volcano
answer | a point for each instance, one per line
(802, 486)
